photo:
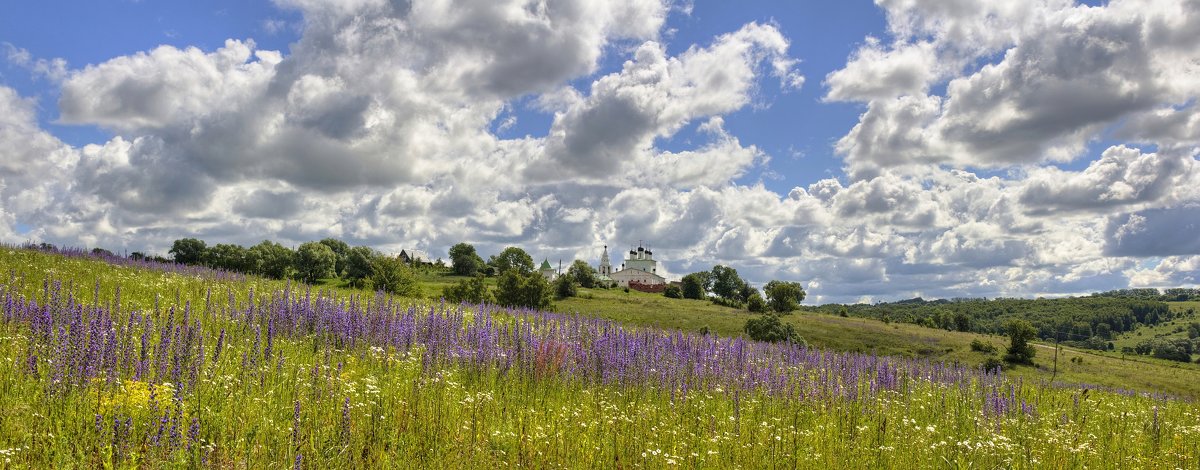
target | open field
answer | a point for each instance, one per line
(213, 375)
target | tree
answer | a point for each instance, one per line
(514, 289)
(769, 328)
(582, 273)
(726, 283)
(783, 296)
(962, 322)
(755, 302)
(101, 252)
(274, 260)
(1019, 350)
(341, 249)
(564, 287)
(466, 262)
(360, 265)
(230, 257)
(468, 290)
(188, 251)
(512, 259)
(695, 285)
(315, 261)
(390, 275)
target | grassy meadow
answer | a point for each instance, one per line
(142, 365)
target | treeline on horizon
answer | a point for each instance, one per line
(1087, 322)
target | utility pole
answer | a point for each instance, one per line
(1055, 374)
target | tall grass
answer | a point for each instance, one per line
(148, 368)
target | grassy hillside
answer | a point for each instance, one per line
(142, 365)
(896, 339)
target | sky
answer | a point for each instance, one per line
(871, 151)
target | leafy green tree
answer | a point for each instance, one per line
(188, 251)
(1019, 350)
(466, 262)
(315, 261)
(360, 264)
(390, 275)
(695, 285)
(341, 249)
(755, 302)
(230, 257)
(582, 273)
(769, 328)
(673, 291)
(274, 260)
(514, 289)
(726, 283)
(783, 296)
(564, 287)
(512, 259)
(97, 251)
(962, 322)
(472, 290)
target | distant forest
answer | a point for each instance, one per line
(1076, 319)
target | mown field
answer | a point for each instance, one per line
(149, 366)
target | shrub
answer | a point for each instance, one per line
(769, 328)
(392, 276)
(564, 287)
(514, 289)
(673, 291)
(993, 364)
(469, 290)
(1019, 350)
(982, 346)
(756, 303)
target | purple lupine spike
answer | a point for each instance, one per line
(220, 346)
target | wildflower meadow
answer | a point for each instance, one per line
(106, 364)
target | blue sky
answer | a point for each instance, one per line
(1034, 147)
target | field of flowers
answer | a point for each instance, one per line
(116, 365)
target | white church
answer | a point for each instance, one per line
(639, 268)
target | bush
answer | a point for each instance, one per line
(784, 296)
(392, 276)
(469, 290)
(564, 287)
(993, 364)
(673, 291)
(770, 329)
(514, 289)
(756, 303)
(704, 331)
(983, 347)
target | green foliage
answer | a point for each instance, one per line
(391, 275)
(341, 249)
(231, 257)
(582, 273)
(726, 283)
(315, 261)
(512, 259)
(769, 328)
(360, 264)
(1078, 317)
(274, 260)
(695, 285)
(755, 303)
(466, 262)
(982, 346)
(673, 291)
(514, 289)
(1019, 350)
(472, 290)
(188, 251)
(564, 287)
(783, 297)
(993, 364)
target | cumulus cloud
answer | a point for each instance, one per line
(1061, 74)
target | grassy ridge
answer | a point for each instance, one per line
(358, 396)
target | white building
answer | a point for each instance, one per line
(639, 267)
(547, 270)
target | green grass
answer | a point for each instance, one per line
(407, 412)
(1111, 370)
